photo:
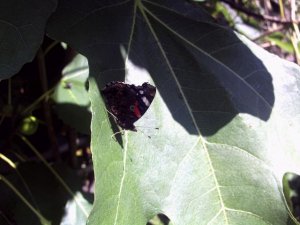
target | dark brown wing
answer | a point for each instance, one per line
(128, 102)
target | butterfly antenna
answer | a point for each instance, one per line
(111, 114)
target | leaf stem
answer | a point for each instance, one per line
(281, 8)
(57, 176)
(46, 107)
(43, 220)
(50, 47)
(8, 161)
(36, 102)
(14, 166)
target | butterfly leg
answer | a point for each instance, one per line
(113, 136)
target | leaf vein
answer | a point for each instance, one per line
(122, 179)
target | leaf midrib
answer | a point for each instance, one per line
(126, 134)
(142, 8)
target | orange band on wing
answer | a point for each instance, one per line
(136, 110)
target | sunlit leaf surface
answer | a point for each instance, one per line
(226, 111)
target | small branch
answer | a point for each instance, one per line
(72, 137)
(56, 175)
(259, 16)
(50, 47)
(281, 8)
(268, 32)
(47, 110)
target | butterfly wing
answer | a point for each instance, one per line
(128, 102)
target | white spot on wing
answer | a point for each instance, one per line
(145, 100)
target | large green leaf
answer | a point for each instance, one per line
(71, 96)
(22, 27)
(227, 113)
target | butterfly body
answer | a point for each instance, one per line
(128, 102)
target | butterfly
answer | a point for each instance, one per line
(127, 102)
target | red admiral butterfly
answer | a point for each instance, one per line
(128, 102)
